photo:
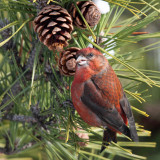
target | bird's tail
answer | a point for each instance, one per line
(127, 110)
(132, 129)
(108, 136)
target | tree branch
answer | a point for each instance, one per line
(20, 118)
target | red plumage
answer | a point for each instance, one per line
(98, 96)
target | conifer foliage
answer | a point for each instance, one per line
(38, 44)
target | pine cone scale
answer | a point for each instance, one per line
(54, 13)
(62, 61)
(85, 4)
(61, 38)
(68, 18)
(45, 31)
(67, 35)
(61, 19)
(56, 29)
(65, 26)
(38, 18)
(39, 29)
(46, 11)
(78, 21)
(48, 36)
(51, 24)
(64, 11)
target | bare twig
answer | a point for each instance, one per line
(21, 118)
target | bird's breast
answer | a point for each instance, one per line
(85, 113)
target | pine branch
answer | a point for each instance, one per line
(39, 84)
(16, 88)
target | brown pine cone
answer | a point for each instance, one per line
(54, 26)
(67, 61)
(89, 11)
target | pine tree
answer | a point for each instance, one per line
(37, 117)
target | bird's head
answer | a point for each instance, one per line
(91, 58)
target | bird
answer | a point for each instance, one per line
(99, 98)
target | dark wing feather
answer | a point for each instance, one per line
(102, 108)
(125, 105)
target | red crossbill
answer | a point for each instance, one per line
(98, 96)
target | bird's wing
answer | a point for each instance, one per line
(107, 112)
(125, 105)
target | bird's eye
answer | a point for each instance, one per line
(90, 55)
